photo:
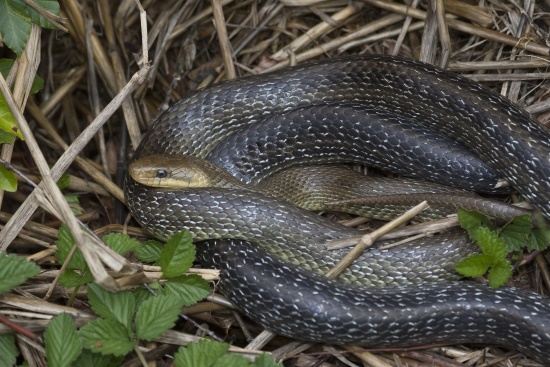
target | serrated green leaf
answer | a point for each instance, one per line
(201, 354)
(539, 239)
(71, 278)
(265, 360)
(516, 232)
(121, 243)
(50, 5)
(8, 350)
(15, 25)
(149, 251)
(6, 138)
(7, 64)
(62, 343)
(106, 337)
(8, 181)
(7, 121)
(490, 243)
(157, 315)
(89, 359)
(231, 360)
(474, 266)
(141, 294)
(74, 203)
(190, 288)
(471, 221)
(112, 306)
(64, 181)
(65, 242)
(499, 274)
(178, 255)
(15, 270)
(37, 85)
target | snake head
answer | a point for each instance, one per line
(179, 171)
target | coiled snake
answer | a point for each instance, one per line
(297, 303)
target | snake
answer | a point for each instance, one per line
(271, 254)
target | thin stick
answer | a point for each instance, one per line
(225, 44)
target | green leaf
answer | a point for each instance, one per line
(15, 25)
(232, 360)
(265, 360)
(178, 255)
(516, 232)
(62, 343)
(141, 294)
(539, 239)
(499, 274)
(121, 243)
(15, 270)
(6, 138)
(8, 350)
(490, 243)
(471, 221)
(50, 5)
(89, 359)
(7, 64)
(64, 181)
(65, 242)
(112, 306)
(8, 181)
(74, 203)
(202, 354)
(7, 122)
(71, 278)
(106, 337)
(157, 315)
(474, 266)
(149, 251)
(189, 288)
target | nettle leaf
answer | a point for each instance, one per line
(265, 360)
(203, 353)
(89, 359)
(190, 288)
(65, 242)
(72, 278)
(474, 266)
(516, 233)
(15, 270)
(5, 68)
(539, 239)
(64, 181)
(8, 350)
(490, 243)
(8, 181)
(15, 25)
(63, 345)
(178, 255)
(121, 243)
(6, 138)
(471, 221)
(106, 337)
(149, 251)
(112, 306)
(499, 274)
(50, 5)
(7, 121)
(157, 315)
(231, 360)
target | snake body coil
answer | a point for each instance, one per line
(498, 132)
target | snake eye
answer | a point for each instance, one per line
(161, 173)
